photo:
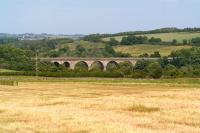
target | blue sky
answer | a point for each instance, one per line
(96, 16)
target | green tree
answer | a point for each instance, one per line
(113, 42)
(54, 54)
(170, 71)
(154, 40)
(156, 54)
(93, 38)
(110, 50)
(174, 41)
(196, 41)
(185, 42)
(155, 70)
(145, 55)
(141, 65)
(65, 49)
(126, 68)
(15, 59)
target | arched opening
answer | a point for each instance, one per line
(67, 64)
(81, 66)
(112, 66)
(56, 64)
(97, 66)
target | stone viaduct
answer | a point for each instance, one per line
(70, 62)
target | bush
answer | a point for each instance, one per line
(196, 41)
(139, 74)
(66, 74)
(154, 70)
(141, 65)
(126, 68)
(156, 54)
(171, 71)
(186, 71)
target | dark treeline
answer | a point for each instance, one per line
(96, 37)
(132, 40)
(6, 40)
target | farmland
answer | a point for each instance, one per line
(137, 50)
(100, 105)
(7, 70)
(167, 37)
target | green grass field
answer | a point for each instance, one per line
(137, 50)
(167, 36)
(85, 44)
(7, 70)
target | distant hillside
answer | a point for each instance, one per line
(137, 50)
(161, 30)
(31, 36)
(137, 43)
(167, 37)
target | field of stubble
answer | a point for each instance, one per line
(93, 107)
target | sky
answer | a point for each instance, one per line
(96, 16)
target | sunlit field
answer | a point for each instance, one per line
(101, 106)
(140, 49)
(166, 36)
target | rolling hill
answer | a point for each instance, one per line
(167, 37)
(137, 50)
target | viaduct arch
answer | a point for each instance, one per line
(70, 62)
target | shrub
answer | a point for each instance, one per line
(171, 71)
(156, 54)
(126, 68)
(154, 69)
(139, 74)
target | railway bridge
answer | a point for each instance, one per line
(70, 62)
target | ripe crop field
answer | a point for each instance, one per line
(100, 106)
(167, 36)
(136, 50)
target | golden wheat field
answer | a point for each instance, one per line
(97, 107)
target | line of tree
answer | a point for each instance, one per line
(161, 30)
(132, 40)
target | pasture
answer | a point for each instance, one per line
(100, 106)
(7, 70)
(167, 37)
(136, 50)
